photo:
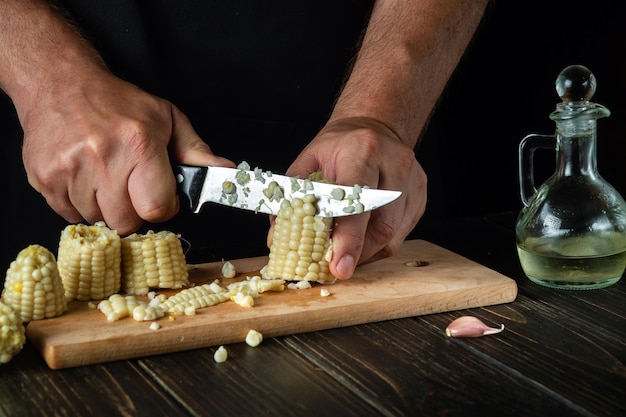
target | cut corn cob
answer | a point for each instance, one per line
(89, 261)
(33, 287)
(301, 245)
(12, 333)
(153, 260)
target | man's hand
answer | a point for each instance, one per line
(98, 150)
(95, 146)
(363, 151)
(408, 52)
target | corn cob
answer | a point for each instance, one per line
(153, 260)
(301, 244)
(33, 287)
(12, 333)
(89, 261)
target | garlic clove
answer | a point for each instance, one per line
(468, 326)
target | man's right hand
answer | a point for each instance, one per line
(96, 147)
(100, 150)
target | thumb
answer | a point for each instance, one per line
(188, 148)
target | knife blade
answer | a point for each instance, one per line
(262, 191)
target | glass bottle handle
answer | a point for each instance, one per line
(527, 148)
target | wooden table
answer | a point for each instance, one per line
(563, 353)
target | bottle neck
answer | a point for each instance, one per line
(576, 148)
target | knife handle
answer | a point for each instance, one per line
(189, 180)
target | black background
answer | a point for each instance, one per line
(260, 100)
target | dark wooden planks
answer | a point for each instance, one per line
(268, 380)
(29, 388)
(409, 367)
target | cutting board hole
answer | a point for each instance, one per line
(417, 264)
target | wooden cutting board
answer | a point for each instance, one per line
(391, 288)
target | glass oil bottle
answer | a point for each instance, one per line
(571, 232)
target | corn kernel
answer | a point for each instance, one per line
(254, 338)
(220, 355)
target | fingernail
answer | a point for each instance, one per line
(345, 266)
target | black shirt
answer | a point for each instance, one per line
(256, 79)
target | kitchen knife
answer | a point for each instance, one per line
(263, 191)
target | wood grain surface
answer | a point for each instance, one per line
(387, 289)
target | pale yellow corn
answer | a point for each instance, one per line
(190, 299)
(220, 355)
(89, 261)
(33, 287)
(228, 270)
(12, 333)
(301, 244)
(153, 260)
(256, 285)
(244, 300)
(254, 338)
(146, 312)
(117, 307)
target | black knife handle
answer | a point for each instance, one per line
(189, 180)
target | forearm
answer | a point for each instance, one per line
(409, 51)
(40, 50)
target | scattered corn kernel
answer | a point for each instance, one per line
(260, 285)
(155, 326)
(228, 270)
(153, 260)
(157, 300)
(324, 292)
(215, 287)
(89, 261)
(254, 338)
(12, 333)
(244, 300)
(300, 285)
(33, 287)
(301, 245)
(220, 355)
(147, 312)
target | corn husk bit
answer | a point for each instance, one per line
(469, 326)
